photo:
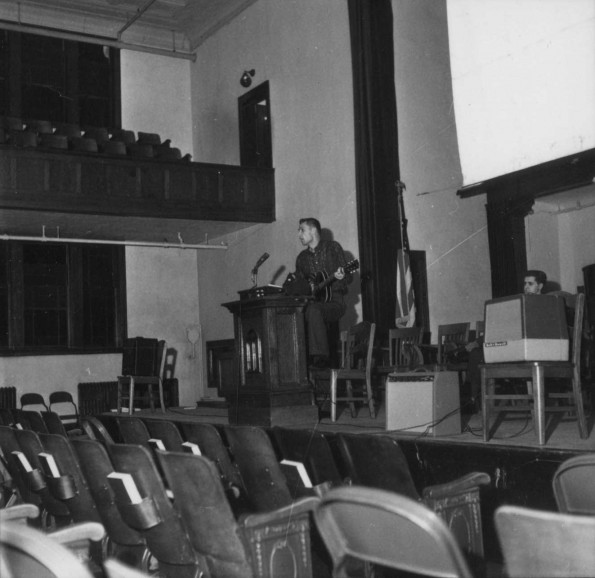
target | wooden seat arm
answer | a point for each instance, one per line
(296, 508)
(470, 481)
(93, 531)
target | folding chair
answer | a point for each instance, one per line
(386, 529)
(62, 403)
(34, 399)
(545, 544)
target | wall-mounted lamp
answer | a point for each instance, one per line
(246, 79)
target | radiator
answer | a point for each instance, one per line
(97, 397)
(8, 397)
(101, 396)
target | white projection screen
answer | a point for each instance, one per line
(523, 74)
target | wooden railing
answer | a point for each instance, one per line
(98, 184)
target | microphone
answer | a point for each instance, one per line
(260, 261)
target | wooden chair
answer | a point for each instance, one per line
(574, 485)
(404, 352)
(377, 461)
(357, 348)
(275, 543)
(143, 362)
(545, 544)
(386, 529)
(537, 372)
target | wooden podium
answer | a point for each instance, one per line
(270, 385)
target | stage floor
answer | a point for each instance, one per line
(515, 431)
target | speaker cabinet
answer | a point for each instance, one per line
(423, 402)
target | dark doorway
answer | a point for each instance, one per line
(254, 110)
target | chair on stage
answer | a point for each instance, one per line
(123, 543)
(357, 348)
(271, 544)
(386, 529)
(148, 510)
(537, 372)
(377, 461)
(25, 551)
(143, 362)
(545, 544)
(167, 432)
(574, 485)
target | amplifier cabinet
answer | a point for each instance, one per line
(423, 402)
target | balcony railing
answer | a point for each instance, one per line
(99, 184)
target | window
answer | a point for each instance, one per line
(58, 297)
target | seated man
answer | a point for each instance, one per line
(322, 258)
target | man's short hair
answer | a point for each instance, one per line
(539, 276)
(312, 222)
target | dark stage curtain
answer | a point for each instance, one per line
(376, 155)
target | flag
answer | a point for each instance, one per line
(405, 314)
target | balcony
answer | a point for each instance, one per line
(94, 184)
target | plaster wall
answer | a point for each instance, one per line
(302, 49)
(452, 231)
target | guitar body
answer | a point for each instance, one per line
(321, 282)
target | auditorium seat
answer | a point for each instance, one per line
(167, 154)
(11, 123)
(166, 431)
(34, 421)
(125, 136)
(69, 130)
(574, 485)
(53, 141)
(377, 461)
(211, 445)
(311, 448)
(232, 549)
(54, 512)
(154, 516)
(23, 138)
(148, 138)
(84, 144)
(133, 431)
(125, 543)
(141, 151)
(95, 430)
(113, 148)
(98, 133)
(39, 126)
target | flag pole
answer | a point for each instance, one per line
(400, 186)
(405, 299)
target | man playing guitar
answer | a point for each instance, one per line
(326, 258)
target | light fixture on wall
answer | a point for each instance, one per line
(246, 79)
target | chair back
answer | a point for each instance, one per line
(95, 464)
(72, 486)
(34, 399)
(257, 462)
(53, 423)
(403, 350)
(35, 420)
(167, 432)
(62, 403)
(143, 356)
(155, 517)
(376, 462)
(95, 430)
(545, 544)
(387, 529)
(133, 431)
(205, 511)
(574, 485)
(29, 552)
(357, 346)
(310, 447)
(451, 337)
(6, 417)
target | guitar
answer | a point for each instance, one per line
(321, 283)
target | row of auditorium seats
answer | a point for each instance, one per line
(66, 136)
(215, 512)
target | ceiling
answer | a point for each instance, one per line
(178, 26)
